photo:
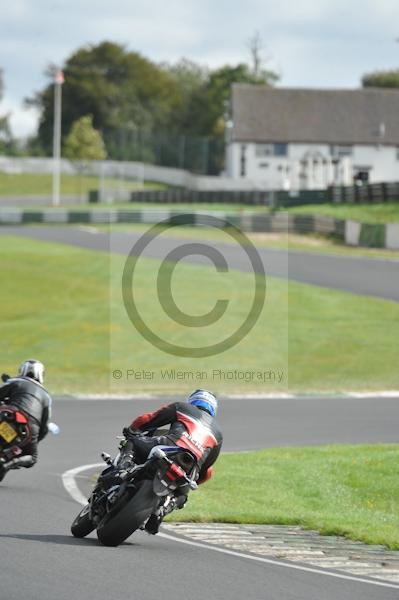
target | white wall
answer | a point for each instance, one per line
(382, 160)
(269, 177)
(288, 172)
(138, 171)
(284, 171)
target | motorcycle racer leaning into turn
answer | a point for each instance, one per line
(26, 393)
(192, 426)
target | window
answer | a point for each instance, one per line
(280, 149)
(362, 175)
(243, 161)
(342, 150)
(263, 150)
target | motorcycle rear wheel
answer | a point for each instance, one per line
(116, 528)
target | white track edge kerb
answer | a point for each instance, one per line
(69, 482)
(393, 394)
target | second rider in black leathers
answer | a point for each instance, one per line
(26, 393)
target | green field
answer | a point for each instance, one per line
(176, 207)
(343, 490)
(366, 213)
(26, 184)
(55, 305)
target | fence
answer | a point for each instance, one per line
(366, 193)
(177, 196)
(276, 199)
(201, 155)
(134, 170)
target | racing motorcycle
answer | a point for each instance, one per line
(15, 433)
(154, 487)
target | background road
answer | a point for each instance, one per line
(248, 424)
(40, 560)
(366, 276)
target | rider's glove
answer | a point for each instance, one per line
(129, 433)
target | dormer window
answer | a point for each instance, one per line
(276, 149)
(341, 150)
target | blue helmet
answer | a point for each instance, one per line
(205, 400)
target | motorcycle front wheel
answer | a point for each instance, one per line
(83, 524)
(116, 528)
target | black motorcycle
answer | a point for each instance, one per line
(15, 433)
(118, 509)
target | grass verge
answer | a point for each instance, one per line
(41, 183)
(338, 490)
(366, 213)
(188, 207)
(55, 305)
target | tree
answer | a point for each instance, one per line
(189, 78)
(119, 88)
(255, 46)
(381, 79)
(145, 109)
(210, 104)
(6, 141)
(188, 74)
(209, 107)
(82, 145)
(83, 142)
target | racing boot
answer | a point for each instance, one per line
(25, 461)
(153, 524)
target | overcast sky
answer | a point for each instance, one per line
(311, 43)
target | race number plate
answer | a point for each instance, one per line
(7, 432)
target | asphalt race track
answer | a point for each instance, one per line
(41, 560)
(366, 276)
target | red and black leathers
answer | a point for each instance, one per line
(31, 398)
(191, 428)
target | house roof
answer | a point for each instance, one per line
(362, 116)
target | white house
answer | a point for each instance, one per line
(285, 138)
